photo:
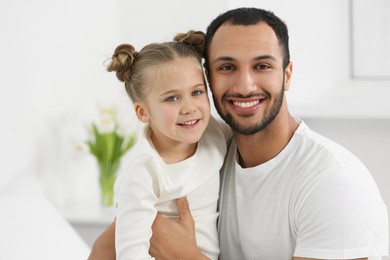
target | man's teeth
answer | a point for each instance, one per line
(246, 104)
(189, 122)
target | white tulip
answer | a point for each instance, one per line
(106, 123)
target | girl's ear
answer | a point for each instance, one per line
(141, 112)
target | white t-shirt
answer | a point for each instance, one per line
(148, 185)
(314, 199)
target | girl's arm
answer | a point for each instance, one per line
(136, 192)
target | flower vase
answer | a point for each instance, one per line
(106, 182)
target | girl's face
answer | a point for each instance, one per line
(176, 107)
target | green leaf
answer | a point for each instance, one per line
(129, 143)
(108, 148)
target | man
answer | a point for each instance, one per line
(287, 192)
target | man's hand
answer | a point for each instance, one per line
(104, 246)
(175, 239)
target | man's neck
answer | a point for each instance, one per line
(261, 147)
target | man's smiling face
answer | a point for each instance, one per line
(246, 76)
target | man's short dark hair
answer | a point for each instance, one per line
(249, 16)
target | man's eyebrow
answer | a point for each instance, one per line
(257, 58)
(223, 58)
(265, 57)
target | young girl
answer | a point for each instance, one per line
(181, 150)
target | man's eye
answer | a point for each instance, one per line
(227, 67)
(171, 98)
(197, 93)
(262, 66)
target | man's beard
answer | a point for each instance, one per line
(268, 118)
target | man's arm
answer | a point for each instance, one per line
(302, 258)
(171, 239)
(104, 246)
(175, 239)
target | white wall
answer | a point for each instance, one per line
(52, 77)
(143, 22)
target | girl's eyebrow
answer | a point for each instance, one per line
(198, 85)
(172, 91)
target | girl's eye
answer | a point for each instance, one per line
(171, 98)
(197, 93)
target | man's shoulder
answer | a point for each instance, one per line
(323, 153)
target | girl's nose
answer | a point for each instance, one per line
(188, 107)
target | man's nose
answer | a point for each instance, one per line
(245, 82)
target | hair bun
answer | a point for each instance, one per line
(195, 39)
(121, 61)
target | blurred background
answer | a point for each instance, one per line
(53, 83)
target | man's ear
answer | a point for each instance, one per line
(141, 112)
(287, 76)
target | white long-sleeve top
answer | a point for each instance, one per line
(148, 185)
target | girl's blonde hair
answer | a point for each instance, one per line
(130, 65)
